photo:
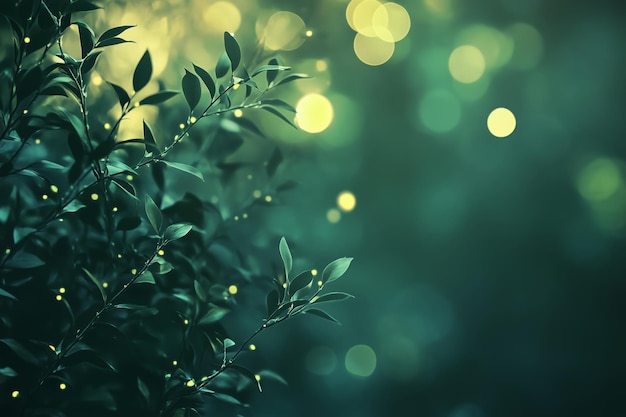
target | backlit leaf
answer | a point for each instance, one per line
(158, 98)
(322, 314)
(335, 269)
(185, 168)
(176, 231)
(285, 254)
(222, 66)
(154, 214)
(206, 79)
(232, 49)
(143, 72)
(191, 89)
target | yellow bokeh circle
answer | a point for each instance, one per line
(501, 122)
(284, 31)
(346, 201)
(372, 51)
(466, 64)
(222, 16)
(391, 22)
(314, 113)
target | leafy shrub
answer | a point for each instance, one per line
(114, 284)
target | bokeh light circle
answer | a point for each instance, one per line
(527, 46)
(222, 16)
(346, 201)
(599, 180)
(466, 64)
(372, 51)
(321, 360)
(439, 111)
(314, 113)
(391, 22)
(501, 122)
(360, 360)
(284, 31)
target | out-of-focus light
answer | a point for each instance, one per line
(15, 394)
(363, 17)
(495, 46)
(501, 122)
(440, 8)
(372, 50)
(238, 113)
(391, 22)
(314, 113)
(599, 180)
(346, 201)
(62, 386)
(321, 65)
(350, 12)
(527, 46)
(96, 79)
(466, 64)
(360, 360)
(321, 360)
(439, 111)
(233, 289)
(333, 215)
(95, 196)
(284, 31)
(222, 16)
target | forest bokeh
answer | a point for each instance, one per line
(489, 256)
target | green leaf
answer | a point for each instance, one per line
(279, 115)
(148, 135)
(222, 66)
(228, 343)
(24, 260)
(335, 269)
(213, 315)
(272, 68)
(154, 214)
(143, 72)
(122, 95)
(185, 168)
(8, 372)
(87, 355)
(232, 50)
(126, 187)
(147, 310)
(111, 42)
(291, 78)
(143, 390)
(158, 98)
(86, 36)
(146, 278)
(299, 282)
(275, 102)
(20, 351)
(7, 294)
(332, 296)
(128, 223)
(271, 73)
(272, 375)
(285, 254)
(73, 206)
(206, 79)
(200, 292)
(322, 314)
(248, 374)
(191, 89)
(89, 62)
(113, 32)
(81, 6)
(95, 282)
(176, 231)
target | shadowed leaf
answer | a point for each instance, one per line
(143, 72)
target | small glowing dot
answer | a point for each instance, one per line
(182, 125)
(25, 111)
(161, 252)
(501, 122)
(45, 196)
(52, 348)
(193, 119)
(54, 188)
(236, 87)
(257, 193)
(333, 215)
(96, 79)
(37, 141)
(244, 215)
(236, 218)
(238, 113)
(320, 283)
(285, 285)
(136, 104)
(249, 176)
(191, 383)
(129, 177)
(62, 386)
(257, 377)
(186, 322)
(58, 297)
(105, 285)
(176, 137)
(321, 65)
(94, 197)
(314, 272)
(133, 271)
(174, 363)
(7, 251)
(27, 40)
(119, 256)
(268, 198)
(204, 378)
(15, 394)
(233, 289)
(62, 290)
(346, 201)
(309, 33)
(115, 209)
(252, 346)
(107, 126)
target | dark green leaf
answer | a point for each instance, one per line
(24, 260)
(332, 296)
(287, 185)
(335, 269)
(81, 6)
(76, 146)
(185, 168)
(322, 314)
(143, 390)
(87, 37)
(86, 356)
(89, 62)
(7, 294)
(200, 292)
(291, 78)
(213, 315)
(73, 206)
(95, 282)
(146, 278)
(191, 89)
(232, 50)
(275, 160)
(279, 115)
(272, 68)
(247, 124)
(222, 66)
(248, 374)
(20, 351)
(148, 135)
(299, 282)
(111, 42)
(115, 166)
(176, 231)
(122, 95)
(206, 79)
(158, 98)
(103, 149)
(143, 72)
(154, 214)
(275, 102)
(128, 223)
(113, 32)
(285, 254)
(272, 375)
(126, 187)
(148, 311)
(272, 72)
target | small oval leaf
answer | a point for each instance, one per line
(191, 89)
(285, 254)
(335, 269)
(143, 72)
(176, 231)
(232, 50)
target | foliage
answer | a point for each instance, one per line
(113, 287)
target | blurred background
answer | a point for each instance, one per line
(468, 155)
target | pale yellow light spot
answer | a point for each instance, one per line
(58, 297)
(114, 209)
(96, 79)
(161, 252)
(268, 198)
(54, 188)
(95, 196)
(174, 363)
(257, 377)
(191, 383)
(105, 285)
(363, 17)
(136, 104)
(350, 8)
(466, 64)
(193, 119)
(204, 378)
(309, 33)
(238, 113)
(186, 322)
(176, 137)
(182, 125)
(333, 215)
(15, 394)
(321, 65)
(119, 256)
(236, 218)
(45, 196)
(222, 16)
(27, 40)
(7, 251)
(252, 346)
(314, 272)
(236, 86)
(52, 348)
(37, 141)
(495, 46)
(62, 290)
(257, 193)
(233, 289)
(320, 283)
(346, 201)
(391, 22)
(599, 180)
(25, 111)
(133, 271)
(285, 285)
(62, 386)
(283, 31)
(360, 360)
(314, 113)
(501, 122)
(372, 51)
(244, 215)
(107, 126)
